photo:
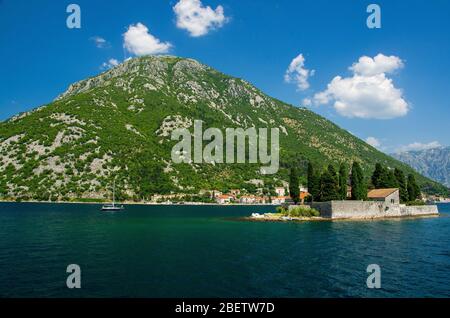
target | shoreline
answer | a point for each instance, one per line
(279, 219)
(143, 203)
(130, 203)
(276, 218)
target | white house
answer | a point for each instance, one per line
(224, 199)
(216, 193)
(248, 199)
(388, 196)
(279, 200)
(280, 191)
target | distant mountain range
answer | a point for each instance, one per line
(118, 125)
(433, 163)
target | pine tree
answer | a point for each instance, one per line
(359, 188)
(294, 185)
(343, 177)
(401, 181)
(413, 188)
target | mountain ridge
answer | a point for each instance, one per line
(433, 163)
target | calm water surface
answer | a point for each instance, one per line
(183, 251)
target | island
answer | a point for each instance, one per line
(345, 195)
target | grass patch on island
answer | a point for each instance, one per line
(298, 211)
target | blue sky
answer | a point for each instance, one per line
(257, 41)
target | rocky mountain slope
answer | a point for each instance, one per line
(118, 125)
(433, 163)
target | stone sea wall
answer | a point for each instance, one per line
(370, 210)
(420, 210)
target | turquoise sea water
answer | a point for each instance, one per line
(204, 251)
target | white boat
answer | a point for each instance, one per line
(258, 216)
(113, 207)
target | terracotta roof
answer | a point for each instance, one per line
(380, 193)
(303, 195)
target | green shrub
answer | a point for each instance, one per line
(298, 211)
(281, 210)
(416, 202)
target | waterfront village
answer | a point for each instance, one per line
(330, 194)
(235, 196)
(241, 197)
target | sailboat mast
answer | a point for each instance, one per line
(114, 192)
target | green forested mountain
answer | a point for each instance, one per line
(118, 125)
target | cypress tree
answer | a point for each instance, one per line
(294, 185)
(343, 177)
(383, 178)
(329, 185)
(413, 188)
(378, 176)
(335, 177)
(418, 192)
(359, 188)
(401, 181)
(355, 182)
(310, 177)
(313, 182)
(391, 180)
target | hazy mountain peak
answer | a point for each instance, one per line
(433, 163)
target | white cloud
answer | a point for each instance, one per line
(369, 93)
(139, 41)
(110, 64)
(416, 146)
(298, 74)
(197, 19)
(374, 142)
(307, 102)
(368, 66)
(99, 42)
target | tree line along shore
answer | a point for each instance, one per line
(350, 184)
